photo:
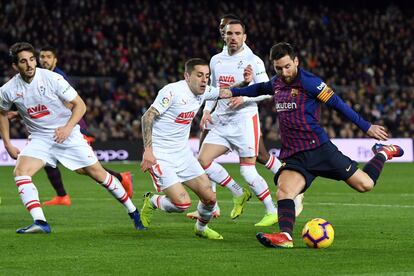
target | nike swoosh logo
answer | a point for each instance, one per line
(348, 168)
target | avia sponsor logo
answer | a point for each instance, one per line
(226, 81)
(38, 111)
(111, 155)
(280, 107)
(185, 118)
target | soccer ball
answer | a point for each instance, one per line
(318, 233)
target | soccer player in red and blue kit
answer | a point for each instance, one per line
(306, 149)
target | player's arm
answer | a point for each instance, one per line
(5, 135)
(326, 95)
(263, 88)
(78, 110)
(258, 75)
(5, 105)
(147, 122)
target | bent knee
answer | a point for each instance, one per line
(80, 171)
(365, 186)
(182, 206)
(204, 162)
(21, 172)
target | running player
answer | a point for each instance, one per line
(167, 156)
(40, 97)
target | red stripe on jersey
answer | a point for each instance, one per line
(183, 122)
(39, 115)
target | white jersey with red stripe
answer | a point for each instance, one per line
(41, 102)
(227, 70)
(177, 106)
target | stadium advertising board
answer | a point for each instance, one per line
(357, 149)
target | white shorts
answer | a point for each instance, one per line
(241, 135)
(74, 153)
(174, 168)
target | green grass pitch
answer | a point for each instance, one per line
(373, 232)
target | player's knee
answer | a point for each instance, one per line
(80, 171)
(204, 162)
(365, 186)
(182, 206)
(18, 171)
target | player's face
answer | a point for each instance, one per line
(26, 65)
(47, 60)
(286, 68)
(223, 23)
(234, 37)
(198, 79)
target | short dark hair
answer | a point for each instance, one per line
(230, 16)
(282, 49)
(18, 47)
(49, 49)
(237, 22)
(193, 62)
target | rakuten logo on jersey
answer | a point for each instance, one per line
(226, 81)
(185, 118)
(280, 107)
(38, 111)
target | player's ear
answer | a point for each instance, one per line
(244, 37)
(186, 76)
(15, 67)
(296, 61)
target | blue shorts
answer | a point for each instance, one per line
(326, 161)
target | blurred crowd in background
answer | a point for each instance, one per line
(118, 54)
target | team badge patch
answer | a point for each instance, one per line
(294, 92)
(165, 101)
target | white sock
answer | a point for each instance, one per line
(115, 187)
(206, 213)
(273, 164)
(259, 186)
(218, 174)
(29, 196)
(162, 202)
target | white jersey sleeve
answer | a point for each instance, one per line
(259, 71)
(63, 89)
(5, 103)
(164, 99)
(211, 93)
(260, 75)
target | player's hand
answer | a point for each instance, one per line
(205, 120)
(225, 93)
(12, 151)
(148, 160)
(378, 132)
(12, 116)
(248, 74)
(235, 102)
(62, 133)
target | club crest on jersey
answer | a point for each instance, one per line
(42, 90)
(294, 92)
(240, 64)
(38, 111)
(185, 118)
